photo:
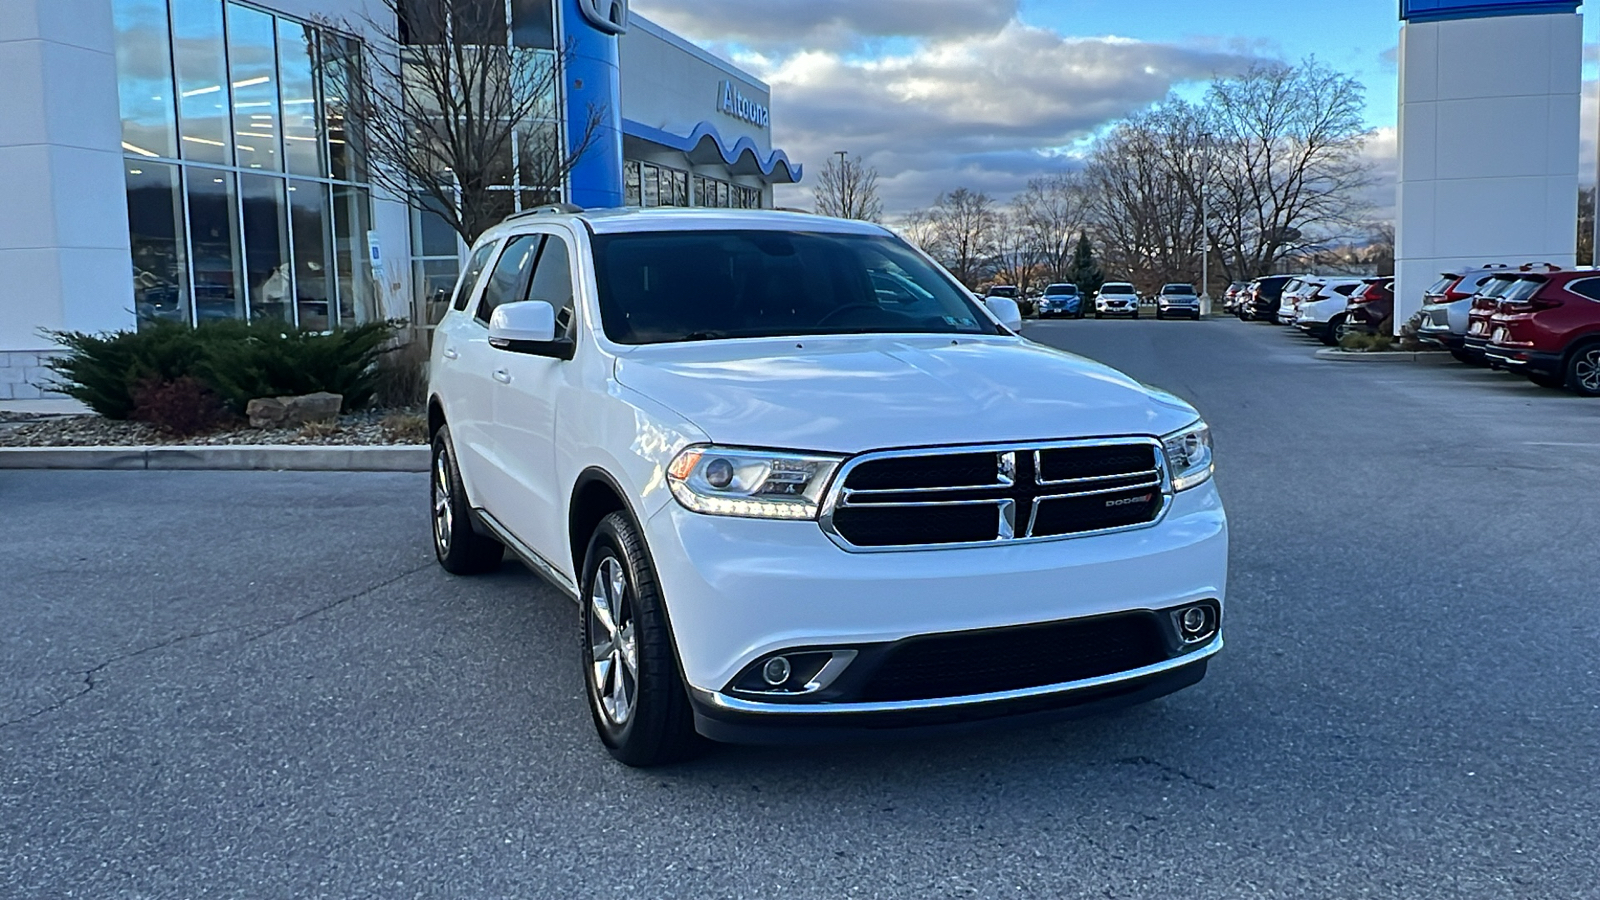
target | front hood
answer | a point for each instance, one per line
(850, 394)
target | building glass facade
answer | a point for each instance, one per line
(246, 191)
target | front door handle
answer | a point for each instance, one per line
(450, 353)
(502, 376)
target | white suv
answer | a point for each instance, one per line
(800, 483)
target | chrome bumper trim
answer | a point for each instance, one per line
(736, 705)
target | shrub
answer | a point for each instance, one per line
(181, 407)
(237, 362)
(1360, 342)
(405, 428)
(402, 377)
(275, 361)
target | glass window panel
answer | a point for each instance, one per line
(630, 184)
(268, 274)
(311, 228)
(155, 226)
(202, 80)
(421, 22)
(214, 245)
(722, 194)
(538, 157)
(533, 24)
(479, 22)
(144, 78)
(352, 219)
(435, 280)
(341, 78)
(252, 67)
(700, 186)
(552, 282)
(475, 266)
(680, 188)
(302, 121)
(507, 275)
(431, 235)
(651, 183)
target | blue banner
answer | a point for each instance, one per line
(1438, 10)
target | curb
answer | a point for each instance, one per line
(236, 458)
(1427, 357)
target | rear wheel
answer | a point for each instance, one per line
(459, 548)
(636, 694)
(1331, 336)
(1583, 370)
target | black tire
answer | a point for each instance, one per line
(1136, 314)
(1159, 315)
(1080, 312)
(1098, 316)
(655, 725)
(1331, 336)
(1583, 370)
(459, 549)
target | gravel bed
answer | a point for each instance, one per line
(369, 427)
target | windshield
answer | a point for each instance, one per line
(1442, 284)
(1117, 289)
(1061, 290)
(1003, 291)
(660, 287)
(1496, 287)
(1177, 289)
(1522, 290)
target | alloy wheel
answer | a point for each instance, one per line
(443, 509)
(613, 644)
(1586, 370)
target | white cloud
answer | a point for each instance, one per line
(831, 24)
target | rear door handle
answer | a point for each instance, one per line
(502, 376)
(450, 353)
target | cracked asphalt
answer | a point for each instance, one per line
(258, 685)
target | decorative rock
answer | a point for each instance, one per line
(290, 412)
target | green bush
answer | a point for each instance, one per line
(1362, 342)
(236, 361)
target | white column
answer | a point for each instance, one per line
(1488, 168)
(63, 203)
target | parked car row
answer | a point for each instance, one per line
(1539, 320)
(1115, 298)
(1324, 307)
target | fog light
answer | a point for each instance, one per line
(1194, 620)
(776, 671)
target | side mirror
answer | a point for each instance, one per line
(1007, 311)
(527, 327)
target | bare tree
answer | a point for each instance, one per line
(1017, 251)
(1287, 173)
(1141, 204)
(964, 225)
(848, 189)
(1054, 211)
(921, 227)
(456, 119)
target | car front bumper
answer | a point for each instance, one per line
(738, 590)
(1180, 309)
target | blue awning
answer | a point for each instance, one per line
(705, 145)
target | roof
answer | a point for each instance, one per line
(618, 221)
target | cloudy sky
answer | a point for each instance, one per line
(988, 93)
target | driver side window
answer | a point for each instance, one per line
(507, 280)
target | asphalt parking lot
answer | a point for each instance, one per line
(259, 685)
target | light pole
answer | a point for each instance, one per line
(1205, 226)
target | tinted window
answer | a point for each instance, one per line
(1496, 287)
(552, 281)
(1061, 290)
(676, 286)
(1443, 283)
(1522, 290)
(1003, 291)
(1117, 288)
(469, 278)
(1587, 287)
(1177, 289)
(506, 280)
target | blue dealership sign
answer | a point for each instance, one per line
(1439, 10)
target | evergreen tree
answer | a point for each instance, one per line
(1084, 271)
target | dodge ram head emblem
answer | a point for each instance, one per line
(609, 16)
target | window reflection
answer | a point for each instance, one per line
(266, 247)
(202, 80)
(214, 239)
(313, 282)
(352, 220)
(144, 76)
(302, 123)
(252, 67)
(155, 228)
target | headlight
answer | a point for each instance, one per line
(1189, 456)
(754, 484)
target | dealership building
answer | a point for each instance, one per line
(192, 160)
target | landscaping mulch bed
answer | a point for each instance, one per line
(368, 427)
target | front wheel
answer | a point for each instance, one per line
(1583, 371)
(1159, 315)
(1098, 316)
(459, 549)
(636, 694)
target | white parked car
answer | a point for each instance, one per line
(1293, 294)
(1117, 298)
(1319, 313)
(792, 495)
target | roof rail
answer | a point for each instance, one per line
(548, 209)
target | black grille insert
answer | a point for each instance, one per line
(1010, 659)
(974, 497)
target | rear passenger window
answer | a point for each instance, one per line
(474, 271)
(506, 282)
(1587, 287)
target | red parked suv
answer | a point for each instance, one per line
(1549, 330)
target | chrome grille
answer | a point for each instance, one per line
(899, 500)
